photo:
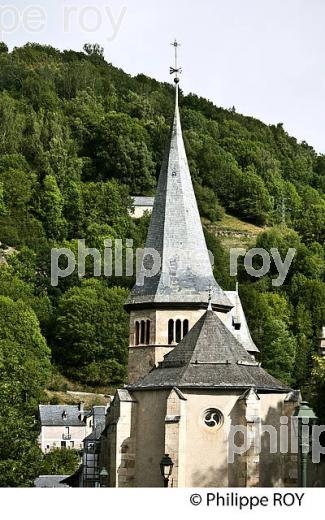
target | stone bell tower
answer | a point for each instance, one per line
(165, 306)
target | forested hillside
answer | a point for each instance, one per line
(77, 138)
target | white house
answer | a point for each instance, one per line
(141, 205)
(63, 426)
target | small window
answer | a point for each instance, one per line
(142, 332)
(137, 333)
(170, 332)
(178, 331)
(148, 332)
(185, 327)
(236, 323)
(63, 444)
(71, 444)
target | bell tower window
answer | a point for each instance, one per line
(177, 330)
(170, 332)
(148, 332)
(185, 327)
(137, 333)
(142, 332)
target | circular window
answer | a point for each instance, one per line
(213, 418)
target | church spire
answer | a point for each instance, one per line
(176, 234)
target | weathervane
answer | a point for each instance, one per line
(176, 70)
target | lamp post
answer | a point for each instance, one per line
(305, 418)
(103, 475)
(166, 468)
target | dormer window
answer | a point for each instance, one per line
(236, 323)
(64, 415)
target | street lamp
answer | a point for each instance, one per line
(166, 468)
(103, 475)
(304, 419)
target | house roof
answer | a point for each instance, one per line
(176, 234)
(50, 481)
(53, 415)
(209, 357)
(143, 201)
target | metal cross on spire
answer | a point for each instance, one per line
(176, 69)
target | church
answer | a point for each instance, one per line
(193, 371)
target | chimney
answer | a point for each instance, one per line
(81, 407)
(321, 348)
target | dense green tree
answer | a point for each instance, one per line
(3, 48)
(18, 324)
(254, 200)
(208, 203)
(220, 260)
(318, 387)
(11, 124)
(93, 49)
(269, 317)
(2, 200)
(52, 209)
(121, 152)
(60, 462)
(20, 457)
(304, 335)
(91, 333)
(24, 371)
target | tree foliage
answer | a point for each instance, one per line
(24, 371)
(91, 333)
(60, 462)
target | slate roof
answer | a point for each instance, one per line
(52, 415)
(209, 357)
(99, 417)
(50, 481)
(96, 433)
(176, 233)
(237, 314)
(143, 201)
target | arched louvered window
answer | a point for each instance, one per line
(137, 333)
(178, 331)
(170, 332)
(185, 327)
(148, 332)
(142, 332)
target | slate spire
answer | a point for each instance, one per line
(176, 234)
